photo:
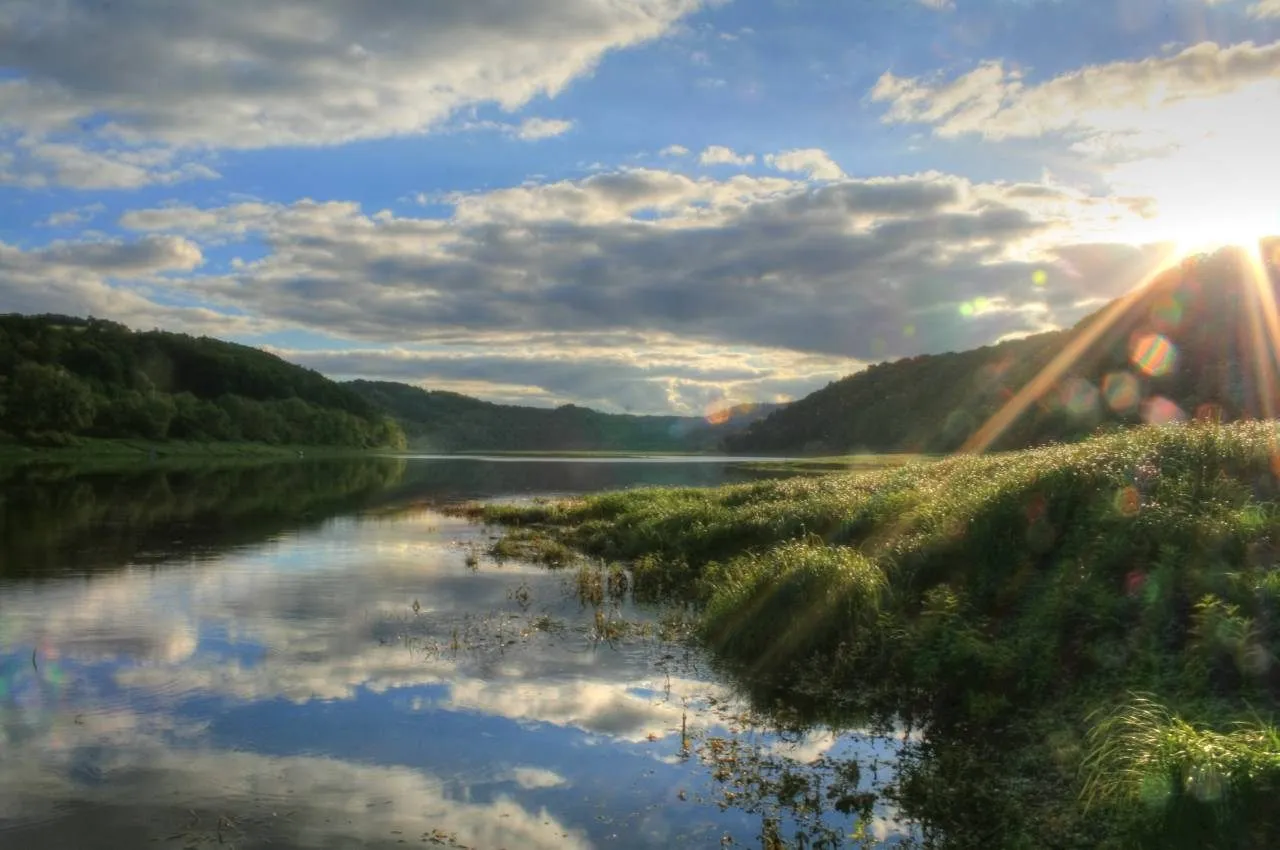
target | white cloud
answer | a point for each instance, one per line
(110, 279)
(37, 163)
(674, 150)
(1191, 130)
(1265, 9)
(994, 101)
(812, 161)
(542, 128)
(721, 155)
(73, 217)
(243, 74)
(938, 5)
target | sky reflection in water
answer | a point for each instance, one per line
(286, 693)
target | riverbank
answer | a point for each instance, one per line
(94, 452)
(842, 463)
(1088, 634)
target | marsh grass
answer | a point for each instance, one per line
(532, 545)
(1006, 594)
(1187, 784)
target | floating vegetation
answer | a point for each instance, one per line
(533, 546)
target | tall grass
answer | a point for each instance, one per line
(1189, 785)
(1000, 592)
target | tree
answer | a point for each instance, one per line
(47, 399)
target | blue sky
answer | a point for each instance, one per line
(646, 205)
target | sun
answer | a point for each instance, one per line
(1209, 176)
(1194, 233)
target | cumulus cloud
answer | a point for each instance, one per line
(766, 262)
(812, 161)
(63, 164)
(112, 279)
(532, 129)
(996, 102)
(721, 155)
(243, 74)
(1265, 9)
(674, 150)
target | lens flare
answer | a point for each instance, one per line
(1122, 391)
(1078, 397)
(1154, 354)
(1209, 412)
(1128, 501)
(1159, 410)
(1166, 314)
(719, 415)
(975, 307)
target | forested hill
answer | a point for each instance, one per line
(448, 422)
(1184, 347)
(62, 377)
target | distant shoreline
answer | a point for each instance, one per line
(105, 451)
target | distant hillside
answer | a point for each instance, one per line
(62, 376)
(448, 422)
(1181, 348)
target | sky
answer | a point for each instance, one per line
(653, 206)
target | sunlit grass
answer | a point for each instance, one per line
(996, 592)
(1142, 754)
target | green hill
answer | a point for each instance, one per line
(448, 422)
(62, 377)
(1182, 347)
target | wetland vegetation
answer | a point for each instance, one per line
(1086, 634)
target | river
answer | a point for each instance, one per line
(312, 655)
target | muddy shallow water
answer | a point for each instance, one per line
(312, 655)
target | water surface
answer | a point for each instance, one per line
(311, 655)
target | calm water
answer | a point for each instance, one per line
(309, 655)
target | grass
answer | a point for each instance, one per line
(841, 463)
(577, 453)
(534, 546)
(1021, 597)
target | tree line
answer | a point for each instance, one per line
(448, 422)
(63, 377)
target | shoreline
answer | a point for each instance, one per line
(108, 451)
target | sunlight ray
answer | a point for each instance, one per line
(1265, 329)
(985, 436)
